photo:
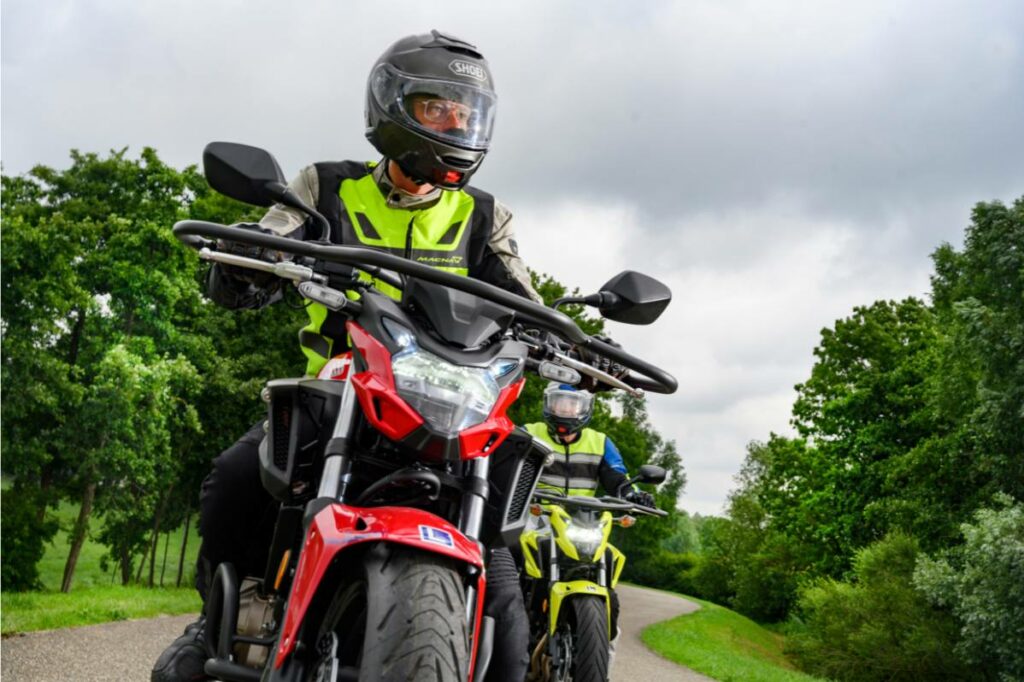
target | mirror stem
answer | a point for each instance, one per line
(287, 197)
(601, 298)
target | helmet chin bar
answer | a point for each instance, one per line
(411, 173)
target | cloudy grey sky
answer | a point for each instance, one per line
(776, 163)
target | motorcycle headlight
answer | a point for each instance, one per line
(451, 398)
(587, 539)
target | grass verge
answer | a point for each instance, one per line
(96, 595)
(27, 611)
(724, 645)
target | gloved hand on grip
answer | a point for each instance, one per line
(640, 497)
(599, 362)
(248, 275)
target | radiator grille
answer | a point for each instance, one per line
(524, 486)
(282, 431)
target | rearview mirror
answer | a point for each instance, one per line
(245, 173)
(635, 298)
(650, 473)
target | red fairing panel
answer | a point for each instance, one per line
(334, 529)
(375, 388)
(482, 439)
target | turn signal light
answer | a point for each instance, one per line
(627, 521)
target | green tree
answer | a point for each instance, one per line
(123, 438)
(863, 408)
(982, 581)
(89, 263)
(877, 627)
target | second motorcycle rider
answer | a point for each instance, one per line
(430, 106)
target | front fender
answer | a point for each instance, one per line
(338, 527)
(562, 591)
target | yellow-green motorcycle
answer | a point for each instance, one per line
(570, 570)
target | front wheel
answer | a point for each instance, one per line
(583, 640)
(402, 616)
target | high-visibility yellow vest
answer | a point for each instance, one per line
(359, 215)
(574, 470)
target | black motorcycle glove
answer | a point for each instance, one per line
(599, 362)
(257, 278)
(640, 498)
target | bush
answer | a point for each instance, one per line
(983, 583)
(661, 569)
(766, 580)
(877, 627)
(713, 577)
(22, 542)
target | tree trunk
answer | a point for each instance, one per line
(142, 565)
(78, 536)
(126, 567)
(157, 520)
(184, 545)
(163, 564)
(45, 482)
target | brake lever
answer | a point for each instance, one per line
(604, 377)
(283, 269)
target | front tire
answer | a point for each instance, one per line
(401, 617)
(588, 624)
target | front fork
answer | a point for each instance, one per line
(337, 478)
(559, 592)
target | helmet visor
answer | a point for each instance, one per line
(568, 404)
(456, 113)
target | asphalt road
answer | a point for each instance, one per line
(125, 651)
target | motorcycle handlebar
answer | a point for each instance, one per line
(194, 232)
(596, 503)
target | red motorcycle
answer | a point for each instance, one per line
(397, 467)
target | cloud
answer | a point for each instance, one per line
(775, 163)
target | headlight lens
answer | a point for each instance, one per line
(587, 539)
(449, 397)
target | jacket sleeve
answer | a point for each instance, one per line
(612, 471)
(288, 222)
(500, 263)
(223, 288)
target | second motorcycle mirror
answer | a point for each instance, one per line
(635, 298)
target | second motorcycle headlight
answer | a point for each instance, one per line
(449, 397)
(586, 539)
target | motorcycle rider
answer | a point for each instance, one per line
(584, 460)
(430, 106)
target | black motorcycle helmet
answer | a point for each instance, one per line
(430, 106)
(566, 409)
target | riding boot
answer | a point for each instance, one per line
(184, 659)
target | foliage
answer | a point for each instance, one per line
(714, 575)
(864, 408)
(22, 538)
(89, 265)
(723, 645)
(983, 582)
(877, 627)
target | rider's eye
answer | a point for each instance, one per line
(434, 111)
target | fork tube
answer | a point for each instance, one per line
(553, 575)
(471, 517)
(337, 464)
